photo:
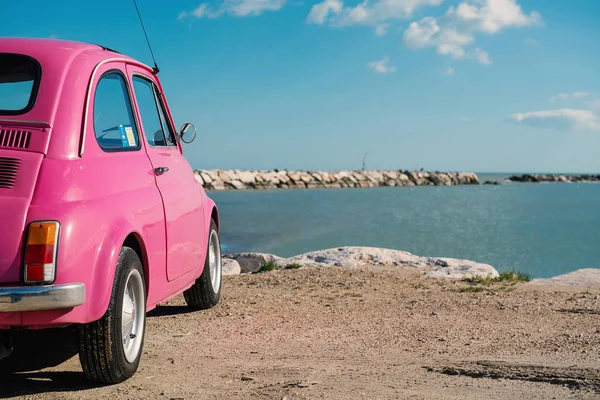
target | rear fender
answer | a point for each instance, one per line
(99, 290)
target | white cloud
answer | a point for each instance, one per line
(562, 119)
(319, 12)
(531, 42)
(595, 106)
(238, 8)
(381, 29)
(493, 15)
(370, 13)
(449, 71)
(382, 66)
(569, 96)
(453, 32)
(482, 57)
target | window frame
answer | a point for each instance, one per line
(129, 97)
(34, 89)
(157, 98)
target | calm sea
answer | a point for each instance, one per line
(542, 229)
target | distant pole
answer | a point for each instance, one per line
(364, 162)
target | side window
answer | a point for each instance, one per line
(157, 130)
(114, 125)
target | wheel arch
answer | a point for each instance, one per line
(136, 242)
(215, 215)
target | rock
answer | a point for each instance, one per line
(357, 256)
(404, 180)
(393, 175)
(581, 277)
(354, 256)
(206, 177)
(460, 269)
(236, 184)
(199, 179)
(224, 176)
(491, 183)
(217, 185)
(247, 177)
(214, 174)
(230, 267)
(294, 176)
(251, 262)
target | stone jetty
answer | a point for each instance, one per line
(554, 178)
(284, 179)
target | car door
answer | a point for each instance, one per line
(184, 216)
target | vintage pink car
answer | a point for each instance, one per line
(101, 216)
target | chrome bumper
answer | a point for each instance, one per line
(37, 298)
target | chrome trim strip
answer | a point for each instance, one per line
(38, 298)
(40, 124)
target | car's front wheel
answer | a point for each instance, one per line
(206, 291)
(110, 348)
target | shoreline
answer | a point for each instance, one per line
(357, 256)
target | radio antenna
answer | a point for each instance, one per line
(147, 41)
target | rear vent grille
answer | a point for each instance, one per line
(9, 167)
(14, 138)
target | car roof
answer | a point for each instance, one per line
(56, 49)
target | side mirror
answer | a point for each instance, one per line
(187, 133)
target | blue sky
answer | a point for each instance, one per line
(479, 85)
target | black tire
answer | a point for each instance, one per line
(100, 347)
(202, 295)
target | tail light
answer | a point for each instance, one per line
(40, 252)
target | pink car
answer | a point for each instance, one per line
(101, 216)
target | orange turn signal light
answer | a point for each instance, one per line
(40, 252)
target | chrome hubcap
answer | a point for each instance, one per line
(214, 260)
(132, 316)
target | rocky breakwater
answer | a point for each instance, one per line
(353, 257)
(276, 179)
(553, 178)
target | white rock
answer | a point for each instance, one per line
(199, 179)
(206, 177)
(237, 184)
(581, 277)
(214, 174)
(392, 175)
(230, 267)
(458, 269)
(247, 177)
(354, 256)
(250, 262)
(218, 185)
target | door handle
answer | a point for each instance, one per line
(160, 170)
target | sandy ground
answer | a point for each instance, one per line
(332, 333)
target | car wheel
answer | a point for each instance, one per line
(110, 348)
(206, 291)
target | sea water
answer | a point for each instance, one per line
(544, 229)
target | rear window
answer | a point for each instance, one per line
(19, 81)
